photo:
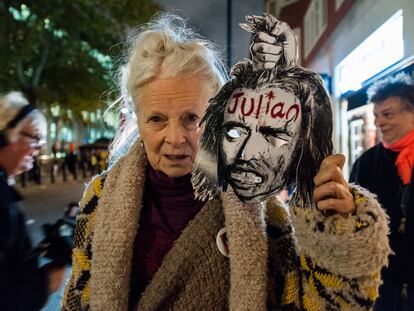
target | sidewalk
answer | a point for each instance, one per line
(45, 204)
(59, 184)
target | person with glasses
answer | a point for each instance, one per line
(23, 284)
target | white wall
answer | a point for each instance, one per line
(363, 19)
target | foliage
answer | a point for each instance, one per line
(63, 51)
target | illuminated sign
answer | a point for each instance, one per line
(380, 50)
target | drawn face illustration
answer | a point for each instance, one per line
(259, 135)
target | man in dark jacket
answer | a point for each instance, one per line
(23, 285)
(387, 170)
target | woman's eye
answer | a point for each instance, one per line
(190, 118)
(155, 119)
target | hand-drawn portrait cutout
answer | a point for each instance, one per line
(266, 129)
(260, 131)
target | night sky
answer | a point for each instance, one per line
(209, 18)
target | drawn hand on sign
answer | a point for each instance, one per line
(273, 43)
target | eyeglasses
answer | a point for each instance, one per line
(38, 140)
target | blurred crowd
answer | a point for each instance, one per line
(66, 162)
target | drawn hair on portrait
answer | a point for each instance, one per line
(266, 130)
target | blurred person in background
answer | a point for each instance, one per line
(23, 284)
(387, 170)
(143, 242)
(71, 161)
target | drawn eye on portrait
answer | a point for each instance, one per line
(264, 131)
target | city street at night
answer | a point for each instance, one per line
(46, 204)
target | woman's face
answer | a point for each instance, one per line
(29, 141)
(169, 113)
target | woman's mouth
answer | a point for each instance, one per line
(176, 157)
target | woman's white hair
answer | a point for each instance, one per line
(164, 47)
(34, 122)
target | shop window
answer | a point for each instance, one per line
(287, 2)
(84, 115)
(381, 49)
(53, 130)
(314, 24)
(274, 6)
(356, 138)
(338, 4)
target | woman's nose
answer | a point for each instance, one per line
(175, 134)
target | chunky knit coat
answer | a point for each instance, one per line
(278, 259)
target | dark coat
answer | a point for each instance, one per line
(376, 171)
(23, 286)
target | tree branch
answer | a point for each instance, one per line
(20, 71)
(38, 72)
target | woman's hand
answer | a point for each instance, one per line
(331, 193)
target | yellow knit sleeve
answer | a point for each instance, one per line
(323, 290)
(340, 258)
(76, 295)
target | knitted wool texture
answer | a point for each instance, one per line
(326, 263)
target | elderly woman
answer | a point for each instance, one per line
(144, 243)
(23, 285)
